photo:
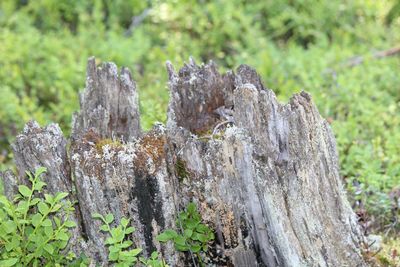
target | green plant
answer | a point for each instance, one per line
(193, 235)
(153, 261)
(33, 230)
(117, 243)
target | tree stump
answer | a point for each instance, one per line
(264, 175)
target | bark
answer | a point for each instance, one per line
(10, 183)
(46, 147)
(109, 104)
(270, 182)
(264, 175)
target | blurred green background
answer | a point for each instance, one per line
(294, 44)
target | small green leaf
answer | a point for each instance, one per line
(23, 206)
(62, 236)
(195, 248)
(32, 237)
(56, 207)
(117, 233)
(39, 171)
(181, 247)
(191, 224)
(180, 240)
(182, 217)
(43, 208)
(39, 185)
(113, 248)
(124, 222)
(47, 222)
(4, 201)
(109, 218)
(105, 228)
(188, 233)
(61, 196)
(211, 236)
(113, 256)
(24, 190)
(57, 221)
(34, 201)
(191, 208)
(9, 226)
(36, 219)
(15, 243)
(97, 216)
(70, 224)
(130, 230)
(126, 244)
(109, 241)
(49, 248)
(48, 231)
(134, 252)
(202, 238)
(202, 228)
(144, 261)
(154, 255)
(62, 244)
(167, 235)
(9, 262)
(30, 177)
(49, 199)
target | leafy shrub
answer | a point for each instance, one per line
(117, 245)
(33, 230)
(193, 235)
(153, 261)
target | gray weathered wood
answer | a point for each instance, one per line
(10, 183)
(47, 147)
(128, 180)
(109, 104)
(269, 182)
(264, 175)
(117, 169)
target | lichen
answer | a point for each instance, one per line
(112, 144)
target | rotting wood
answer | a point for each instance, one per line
(266, 179)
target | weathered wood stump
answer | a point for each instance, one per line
(265, 175)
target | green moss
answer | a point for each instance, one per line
(389, 254)
(114, 144)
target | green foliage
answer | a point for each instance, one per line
(153, 261)
(117, 243)
(33, 230)
(193, 235)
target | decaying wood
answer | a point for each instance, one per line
(275, 169)
(109, 104)
(10, 183)
(47, 147)
(264, 175)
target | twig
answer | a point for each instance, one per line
(357, 60)
(377, 55)
(136, 21)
